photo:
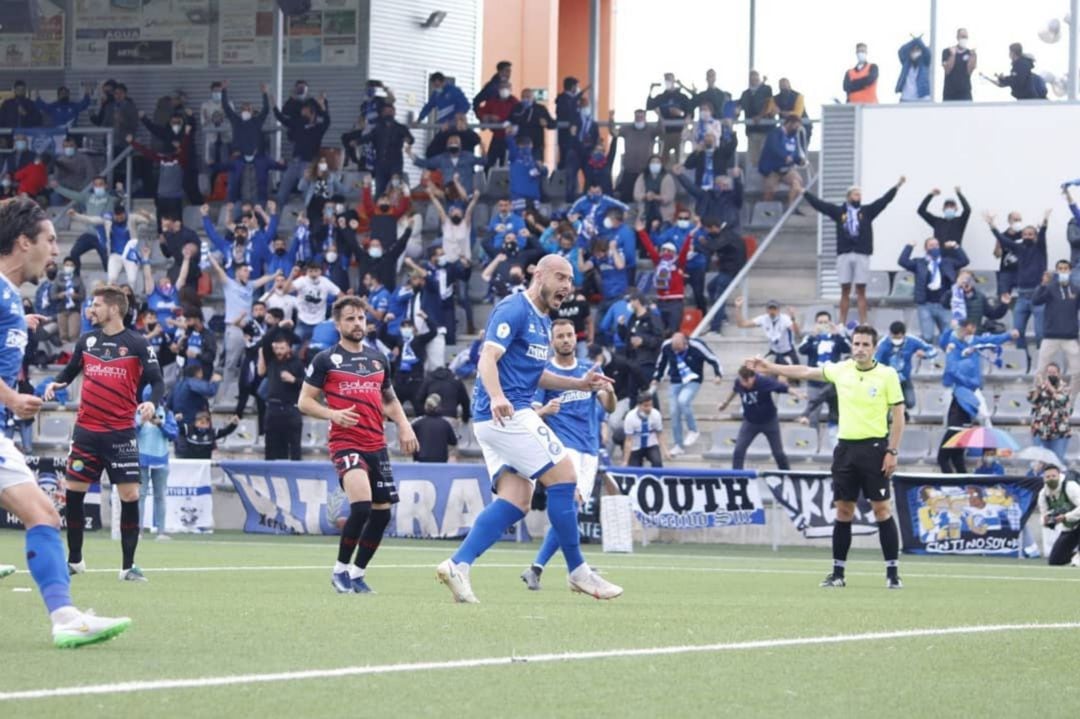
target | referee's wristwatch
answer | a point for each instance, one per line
(891, 451)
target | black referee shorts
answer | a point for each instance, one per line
(856, 468)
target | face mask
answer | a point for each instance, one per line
(510, 248)
(99, 191)
(339, 208)
(669, 85)
(249, 158)
(5, 182)
(516, 280)
(215, 96)
(301, 91)
(395, 182)
(331, 256)
(328, 212)
(504, 93)
(855, 203)
(861, 57)
(1063, 278)
(69, 151)
(406, 333)
(384, 207)
(375, 253)
(639, 125)
(280, 251)
(823, 328)
(654, 168)
(68, 271)
(586, 111)
(608, 223)
(962, 43)
(176, 129)
(706, 115)
(526, 102)
(1054, 380)
(453, 149)
(897, 342)
(441, 262)
(456, 219)
(1016, 226)
(682, 224)
(949, 214)
(322, 166)
(916, 55)
(51, 274)
(245, 115)
(935, 253)
(20, 145)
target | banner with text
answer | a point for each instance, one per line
(49, 471)
(691, 498)
(437, 500)
(246, 33)
(963, 514)
(171, 33)
(326, 35)
(32, 35)
(807, 498)
(189, 499)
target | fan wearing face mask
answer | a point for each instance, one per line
(935, 274)
(672, 106)
(1059, 506)
(1030, 251)
(1061, 330)
(496, 108)
(456, 223)
(959, 64)
(306, 128)
(71, 169)
(581, 148)
(637, 156)
(913, 85)
(950, 225)
(246, 127)
(899, 350)
(320, 184)
(860, 82)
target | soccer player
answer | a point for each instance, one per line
(571, 415)
(27, 244)
(114, 361)
(870, 398)
(518, 447)
(356, 384)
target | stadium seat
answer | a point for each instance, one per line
(932, 404)
(554, 187)
(431, 218)
(930, 367)
(691, 318)
(498, 183)
(766, 214)
(467, 444)
(243, 437)
(914, 445)
(789, 406)
(758, 449)
(481, 214)
(1014, 364)
(801, 442)
(55, 430)
(723, 443)
(878, 288)
(903, 287)
(1011, 407)
(480, 182)
(314, 434)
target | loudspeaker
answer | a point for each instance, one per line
(294, 7)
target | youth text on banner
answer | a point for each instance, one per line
(690, 498)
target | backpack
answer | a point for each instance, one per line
(1037, 86)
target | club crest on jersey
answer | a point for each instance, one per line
(336, 359)
(872, 391)
(90, 342)
(503, 330)
(123, 351)
(377, 365)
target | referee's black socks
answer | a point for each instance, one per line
(890, 546)
(841, 543)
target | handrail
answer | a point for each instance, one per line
(124, 156)
(742, 275)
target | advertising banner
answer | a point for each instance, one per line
(691, 498)
(119, 33)
(808, 500)
(49, 471)
(189, 499)
(31, 35)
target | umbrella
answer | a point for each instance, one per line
(1041, 454)
(983, 438)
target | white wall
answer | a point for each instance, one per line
(1003, 156)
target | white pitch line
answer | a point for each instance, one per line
(377, 669)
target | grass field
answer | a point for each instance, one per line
(724, 619)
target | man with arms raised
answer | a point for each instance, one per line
(870, 398)
(27, 244)
(355, 381)
(518, 447)
(571, 414)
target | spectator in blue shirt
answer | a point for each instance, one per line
(827, 343)
(63, 112)
(454, 165)
(897, 351)
(592, 207)
(782, 155)
(502, 222)
(913, 85)
(526, 172)
(935, 274)
(616, 230)
(608, 259)
(446, 100)
(617, 313)
(759, 415)
(989, 465)
(192, 394)
(562, 240)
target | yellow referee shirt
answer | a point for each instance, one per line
(864, 398)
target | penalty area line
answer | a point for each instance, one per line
(377, 669)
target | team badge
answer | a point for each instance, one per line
(336, 359)
(502, 331)
(872, 390)
(90, 342)
(123, 351)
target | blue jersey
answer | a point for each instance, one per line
(576, 423)
(525, 334)
(12, 332)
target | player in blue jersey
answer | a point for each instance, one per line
(518, 447)
(27, 244)
(572, 415)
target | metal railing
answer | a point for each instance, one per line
(743, 277)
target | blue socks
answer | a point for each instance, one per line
(562, 512)
(45, 557)
(548, 548)
(496, 518)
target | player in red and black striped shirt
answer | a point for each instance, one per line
(355, 382)
(115, 362)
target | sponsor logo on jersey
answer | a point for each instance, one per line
(360, 386)
(105, 371)
(16, 338)
(538, 352)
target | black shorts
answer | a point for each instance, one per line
(857, 467)
(377, 466)
(92, 452)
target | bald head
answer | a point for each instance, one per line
(552, 282)
(552, 263)
(678, 342)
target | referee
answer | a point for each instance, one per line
(865, 457)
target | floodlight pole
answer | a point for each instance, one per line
(753, 34)
(278, 68)
(1074, 8)
(594, 53)
(933, 46)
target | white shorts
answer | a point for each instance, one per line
(522, 444)
(853, 268)
(585, 467)
(13, 469)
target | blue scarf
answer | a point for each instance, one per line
(687, 374)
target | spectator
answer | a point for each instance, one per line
(179, 242)
(456, 227)
(315, 293)
(782, 154)
(491, 88)
(730, 259)
(638, 155)
(169, 200)
(293, 107)
(898, 351)
(389, 138)
(1061, 330)
(505, 274)
(963, 374)
(453, 397)
(592, 208)
(935, 274)
(708, 123)
(670, 269)
(755, 391)
(672, 107)
(239, 294)
(1007, 270)
(496, 108)
(192, 394)
(959, 62)
(32, 179)
(63, 112)
(358, 145)
(615, 229)
(1059, 504)
(18, 110)
(502, 223)
(526, 172)
(968, 302)
(714, 96)
(950, 226)
(654, 190)
(454, 165)
(683, 361)
(255, 330)
(198, 345)
(616, 313)
(826, 344)
(435, 435)
(43, 299)
(122, 239)
(584, 138)
(164, 301)
(644, 432)
(566, 113)
(176, 135)
(95, 202)
(1022, 80)
(577, 309)
(1030, 253)
(73, 171)
(251, 166)
(320, 185)
(154, 437)
(757, 109)
(532, 120)
(198, 439)
(22, 155)
(789, 102)
(597, 165)
(781, 330)
(913, 85)
(216, 131)
(1051, 405)
(445, 101)
(642, 335)
(988, 465)
(284, 373)
(854, 241)
(66, 295)
(860, 82)
(626, 380)
(722, 201)
(306, 130)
